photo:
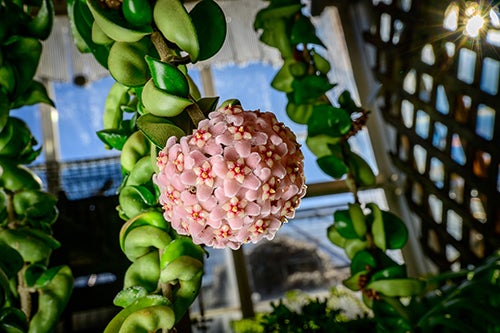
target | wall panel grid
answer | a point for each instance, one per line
(439, 65)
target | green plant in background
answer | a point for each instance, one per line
(452, 302)
(32, 294)
(299, 312)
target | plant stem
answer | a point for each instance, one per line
(161, 46)
(24, 293)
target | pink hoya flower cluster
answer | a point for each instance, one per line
(236, 179)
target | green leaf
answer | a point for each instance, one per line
(158, 129)
(4, 110)
(274, 12)
(46, 277)
(309, 88)
(207, 104)
(362, 261)
(33, 272)
(353, 281)
(283, 79)
(13, 320)
(378, 229)
(397, 287)
(328, 120)
(396, 232)
(332, 166)
(113, 138)
(303, 32)
(77, 24)
(322, 145)
(275, 34)
(391, 272)
(81, 27)
(10, 260)
(343, 224)
(34, 94)
(299, 113)
(361, 170)
(25, 53)
(347, 103)
(335, 237)
(210, 25)
(41, 25)
(168, 77)
(129, 295)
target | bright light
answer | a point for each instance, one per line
(474, 26)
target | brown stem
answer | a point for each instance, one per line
(195, 114)
(161, 46)
(11, 216)
(24, 293)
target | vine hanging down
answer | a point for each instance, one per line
(32, 294)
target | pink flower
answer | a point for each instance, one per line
(236, 179)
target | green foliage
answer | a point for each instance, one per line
(467, 303)
(32, 295)
(299, 313)
(303, 77)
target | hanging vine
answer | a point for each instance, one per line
(32, 294)
(400, 303)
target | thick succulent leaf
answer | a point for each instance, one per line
(33, 272)
(303, 32)
(361, 261)
(76, 23)
(41, 25)
(25, 53)
(322, 145)
(335, 237)
(46, 277)
(158, 129)
(13, 320)
(275, 34)
(210, 25)
(343, 224)
(168, 77)
(113, 138)
(10, 260)
(347, 103)
(81, 29)
(328, 120)
(332, 166)
(283, 80)
(129, 295)
(396, 232)
(275, 11)
(309, 88)
(34, 94)
(207, 104)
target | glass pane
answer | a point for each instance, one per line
(439, 136)
(407, 113)
(422, 124)
(485, 122)
(454, 225)
(451, 17)
(490, 75)
(466, 65)
(436, 172)
(442, 104)
(80, 117)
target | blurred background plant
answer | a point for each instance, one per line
(33, 295)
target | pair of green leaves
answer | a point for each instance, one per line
(387, 230)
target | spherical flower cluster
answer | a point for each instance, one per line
(236, 179)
